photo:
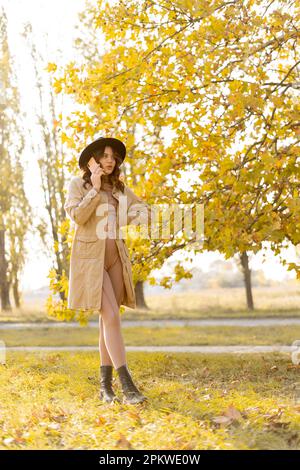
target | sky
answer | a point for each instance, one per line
(53, 24)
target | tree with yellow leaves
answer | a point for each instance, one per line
(223, 78)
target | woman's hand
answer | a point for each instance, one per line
(96, 177)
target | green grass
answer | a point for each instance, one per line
(50, 401)
(140, 336)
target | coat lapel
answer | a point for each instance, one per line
(115, 192)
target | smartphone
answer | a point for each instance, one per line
(93, 164)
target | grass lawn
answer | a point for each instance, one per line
(276, 301)
(170, 336)
(50, 401)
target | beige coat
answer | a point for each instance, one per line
(87, 252)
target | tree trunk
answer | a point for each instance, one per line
(247, 279)
(4, 286)
(16, 293)
(139, 293)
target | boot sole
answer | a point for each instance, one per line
(108, 402)
(127, 401)
(114, 400)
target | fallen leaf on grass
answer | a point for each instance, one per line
(60, 418)
(8, 440)
(277, 424)
(134, 415)
(222, 420)
(19, 440)
(206, 397)
(165, 410)
(100, 420)
(123, 442)
(231, 415)
(205, 371)
(293, 439)
(53, 358)
(55, 426)
(274, 414)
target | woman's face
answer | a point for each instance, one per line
(108, 161)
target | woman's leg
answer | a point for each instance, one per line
(116, 275)
(111, 322)
(112, 295)
(104, 354)
(112, 264)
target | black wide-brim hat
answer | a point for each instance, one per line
(89, 149)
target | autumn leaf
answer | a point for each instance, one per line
(123, 442)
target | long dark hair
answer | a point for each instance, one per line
(114, 177)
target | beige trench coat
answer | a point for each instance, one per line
(89, 212)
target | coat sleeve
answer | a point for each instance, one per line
(137, 206)
(79, 207)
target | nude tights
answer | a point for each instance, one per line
(111, 344)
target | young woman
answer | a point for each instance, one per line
(100, 268)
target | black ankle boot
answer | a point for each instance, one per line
(132, 394)
(106, 392)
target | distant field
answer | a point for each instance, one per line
(222, 302)
(226, 302)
